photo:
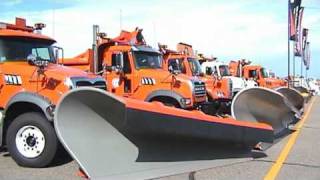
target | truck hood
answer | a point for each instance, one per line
(165, 76)
(52, 70)
(274, 82)
(63, 71)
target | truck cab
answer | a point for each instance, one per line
(260, 75)
(185, 62)
(31, 84)
(134, 69)
(222, 70)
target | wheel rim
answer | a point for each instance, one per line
(30, 141)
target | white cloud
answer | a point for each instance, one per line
(10, 2)
(226, 30)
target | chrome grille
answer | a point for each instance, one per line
(199, 89)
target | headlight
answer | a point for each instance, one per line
(68, 82)
(186, 101)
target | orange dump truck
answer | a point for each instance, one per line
(134, 69)
(243, 68)
(184, 61)
(31, 83)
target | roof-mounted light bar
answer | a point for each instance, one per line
(39, 26)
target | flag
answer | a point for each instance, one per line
(308, 55)
(298, 35)
(293, 17)
(304, 44)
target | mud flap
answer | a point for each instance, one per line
(263, 105)
(117, 138)
(295, 98)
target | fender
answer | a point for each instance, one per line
(42, 102)
(166, 93)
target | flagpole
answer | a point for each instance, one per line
(289, 43)
(301, 71)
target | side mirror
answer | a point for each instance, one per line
(57, 54)
(31, 59)
(173, 70)
(209, 71)
(37, 61)
(119, 61)
(170, 68)
(108, 68)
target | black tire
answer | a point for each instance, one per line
(168, 103)
(39, 121)
(172, 104)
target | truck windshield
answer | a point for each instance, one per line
(194, 66)
(15, 49)
(264, 73)
(224, 70)
(147, 60)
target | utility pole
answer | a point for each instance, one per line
(53, 22)
(120, 20)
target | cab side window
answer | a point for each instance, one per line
(252, 73)
(126, 63)
(115, 59)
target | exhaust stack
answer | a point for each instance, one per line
(94, 63)
(118, 138)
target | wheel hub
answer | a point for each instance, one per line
(30, 141)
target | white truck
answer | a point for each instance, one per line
(221, 69)
(315, 89)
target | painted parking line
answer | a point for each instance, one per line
(275, 169)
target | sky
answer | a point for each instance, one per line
(227, 29)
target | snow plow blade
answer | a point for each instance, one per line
(295, 98)
(263, 105)
(118, 138)
(304, 92)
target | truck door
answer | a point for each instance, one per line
(119, 76)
